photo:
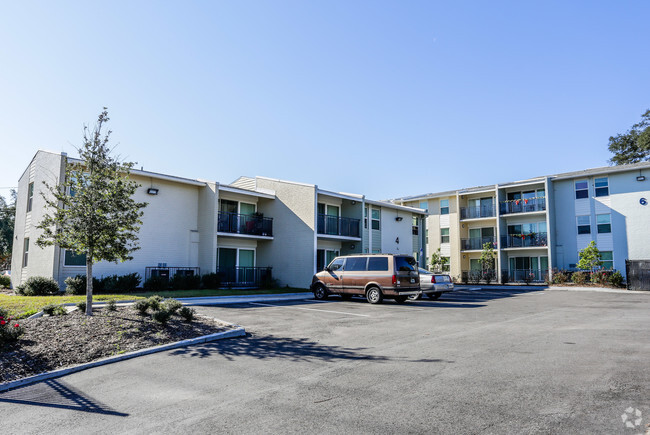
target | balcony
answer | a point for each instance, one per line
(338, 226)
(532, 240)
(523, 275)
(476, 243)
(477, 276)
(244, 276)
(485, 211)
(246, 224)
(523, 206)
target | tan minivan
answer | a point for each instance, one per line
(375, 276)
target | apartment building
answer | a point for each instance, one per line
(541, 223)
(252, 229)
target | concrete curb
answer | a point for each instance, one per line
(553, 288)
(238, 331)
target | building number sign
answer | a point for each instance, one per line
(643, 201)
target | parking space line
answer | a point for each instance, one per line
(309, 309)
(392, 307)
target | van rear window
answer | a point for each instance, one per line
(355, 263)
(405, 264)
(378, 263)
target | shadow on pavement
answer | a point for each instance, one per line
(484, 295)
(55, 394)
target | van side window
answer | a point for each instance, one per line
(336, 264)
(405, 264)
(355, 263)
(378, 263)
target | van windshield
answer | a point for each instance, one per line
(405, 264)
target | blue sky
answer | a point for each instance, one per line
(381, 98)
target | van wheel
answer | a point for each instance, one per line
(434, 296)
(374, 296)
(320, 292)
(400, 299)
(415, 297)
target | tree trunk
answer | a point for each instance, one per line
(89, 285)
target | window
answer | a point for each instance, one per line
(584, 224)
(405, 264)
(30, 196)
(444, 206)
(376, 218)
(607, 258)
(426, 236)
(602, 186)
(378, 263)
(25, 251)
(445, 263)
(415, 226)
(582, 189)
(72, 259)
(604, 223)
(424, 205)
(365, 217)
(336, 264)
(355, 263)
(444, 235)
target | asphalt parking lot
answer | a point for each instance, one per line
(500, 361)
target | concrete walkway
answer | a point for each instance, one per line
(224, 300)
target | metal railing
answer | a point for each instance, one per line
(169, 272)
(248, 224)
(522, 206)
(338, 226)
(476, 243)
(524, 275)
(244, 276)
(477, 276)
(524, 240)
(477, 212)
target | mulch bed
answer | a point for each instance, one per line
(50, 343)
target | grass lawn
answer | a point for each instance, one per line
(24, 306)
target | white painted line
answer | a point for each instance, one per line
(309, 309)
(392, 307)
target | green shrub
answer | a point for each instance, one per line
(154, 302)
(75, 285)
(560, 277)
(211, 281)
(188, 314)
(81, 306)
(142, 306)
(185, 282)
(156, 283)
(171, 305)
(9, 330)
(128, 282)
(55, 310)
(5, 281)
(600, 278)
(579, 277)
(161, 316)
(616, 279)
(38, 286)
(4, 312)
(111, 305)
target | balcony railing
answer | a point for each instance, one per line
(523, 275)
(524, 240)
(476, 243)
(249, 224)
(167, 273)
(522, 205)
(338, 226)
(244, 276)
(477, 276)
(483, 211)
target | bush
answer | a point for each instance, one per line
(156, 283)
(38, 286)
(55, 310)
(211, 281)
(171, 305)
(142, 306)
(120, 283)
(185, 282)
(5, 281)
(616, 279)
(9, 331)
(4, 313)
(155, 302)
(600, 278)
(579, 277)
(560, 277)
(111, 305)
(161, 316)
(81, 306)
(187, 313)
(75, 285)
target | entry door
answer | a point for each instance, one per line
(227, 262)
(486, 207)
(246, 265)
(332, 219)
(475, 238)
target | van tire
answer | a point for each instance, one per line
(400, 299)
(434, 296)
(374, 296)
(415, 297)
(320, 292)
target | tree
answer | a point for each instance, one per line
(487, 261)
(92, 212)
(633, 146)
(438, 262)
(7, 218)
(589, 257)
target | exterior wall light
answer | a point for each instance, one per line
(152, 191)
(399, 218)
(640, 178)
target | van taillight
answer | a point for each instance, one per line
(394, 279)
(433, 279)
